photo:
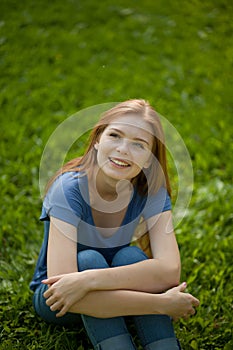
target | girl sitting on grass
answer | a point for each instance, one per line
(87, 265)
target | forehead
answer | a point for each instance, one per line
(132, 124)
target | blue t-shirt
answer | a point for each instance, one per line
(68, 200)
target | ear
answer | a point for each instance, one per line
(96, 146)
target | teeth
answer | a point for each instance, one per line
(118, 162)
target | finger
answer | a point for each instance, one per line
(50, 301)
(51, 280)
(182, 287)
(50, 291)
(192, 311)
(56, 306)
(45, 281)
(62, 312)
(47, 293)
(196, 302)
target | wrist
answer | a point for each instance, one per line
(162, 303)
(89, 280)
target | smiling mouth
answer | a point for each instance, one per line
(119, 163)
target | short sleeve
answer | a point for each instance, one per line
(64, 200)
(156, 204)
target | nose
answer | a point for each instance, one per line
(123, 147)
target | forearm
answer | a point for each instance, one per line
(104, 304)
(152, 275)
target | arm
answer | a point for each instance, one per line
(152, 275)
(164, 247)
(76, 292)
(174, 303)
(62, 248)
(104, 304)
(62, 261)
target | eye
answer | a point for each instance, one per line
(139, 145)
(114, 134)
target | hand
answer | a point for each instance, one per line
(179, 304)
(64, 291)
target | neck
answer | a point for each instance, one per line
(109, 188)
(108, 194)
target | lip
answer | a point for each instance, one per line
(121, 163)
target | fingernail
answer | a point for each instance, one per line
(184, 284)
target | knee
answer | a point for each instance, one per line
(91, 259)
(128, 255)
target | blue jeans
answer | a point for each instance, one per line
(154, 331)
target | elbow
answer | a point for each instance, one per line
(175, 276)
(172, 276)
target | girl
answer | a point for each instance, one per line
(87, 265)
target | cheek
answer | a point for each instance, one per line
(105, 145)
(102, 154)
(101, 149)
(142, 160)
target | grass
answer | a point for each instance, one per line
(59, 57)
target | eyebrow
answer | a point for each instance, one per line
(136, 138)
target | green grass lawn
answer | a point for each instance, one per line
(59, 57)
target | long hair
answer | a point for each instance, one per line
(148, 180)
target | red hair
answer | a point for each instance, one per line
(148, 180)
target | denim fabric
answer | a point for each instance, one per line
(163, 344)
(68, 200)
(43, 310)
(120, 342)
(150, 328)
(154, 331)
(108, 333)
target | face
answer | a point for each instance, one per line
(124, 147)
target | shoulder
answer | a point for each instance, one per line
(67, 182)
(65, 199)
(70, 186)
(157, 203)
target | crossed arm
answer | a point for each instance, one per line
(125, 290)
